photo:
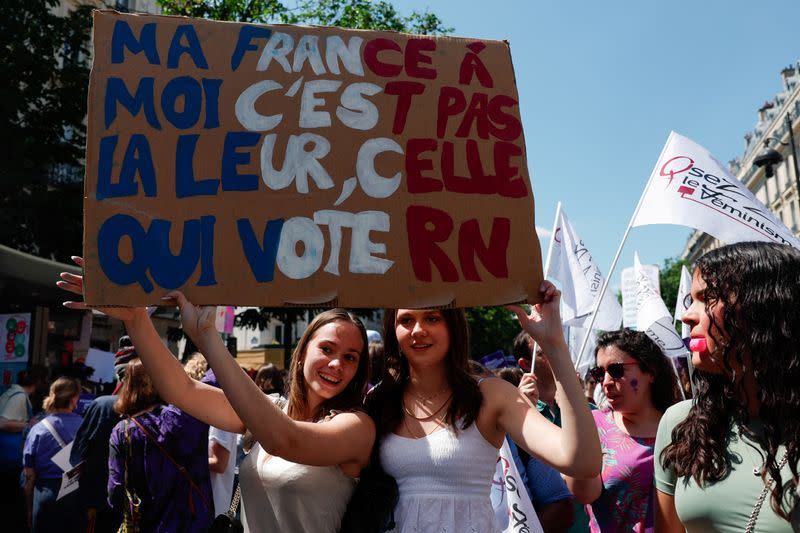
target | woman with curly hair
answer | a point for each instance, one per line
(640, 384)
(728, 459)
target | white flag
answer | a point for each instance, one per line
(582, 361)
(572, 265)
(652, 315)
(513, 509)
(690, 188)
(684, 290)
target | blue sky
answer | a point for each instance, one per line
(601, 85)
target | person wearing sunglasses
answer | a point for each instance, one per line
(640, 384)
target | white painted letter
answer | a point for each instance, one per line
(308, 48)
(335, 220)
(309, 117)
(356, 111)
(246, 107)
(350, 54)
(295, 230)
(361, 248)
(277, 48)
(372, 183)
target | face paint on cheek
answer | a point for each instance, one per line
(635, 385)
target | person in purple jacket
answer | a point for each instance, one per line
(42, 476)
(158, 461)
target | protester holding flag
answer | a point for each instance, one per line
(440, 429)
(312, 450)
(640, 385)
(728, 460)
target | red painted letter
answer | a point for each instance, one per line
(493, 256)
(417, 183)
(414, 57)
(376, 65)
(422, 242)
(404, 90)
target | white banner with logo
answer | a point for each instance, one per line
(690, 188)
(571, 264)
(652, 315)
(513, 509)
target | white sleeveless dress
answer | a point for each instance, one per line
(286, 497)
(444, 479)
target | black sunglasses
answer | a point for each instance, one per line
(615, 370)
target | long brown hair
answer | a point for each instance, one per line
(385, 402)
(352, 396)
(137, 392)
(758, 285)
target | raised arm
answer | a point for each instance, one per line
(574, 448)
(202, 401)
(347, 438)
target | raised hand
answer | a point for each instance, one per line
(527, 386)
(74, 283)
(544, 321)
(197, 321)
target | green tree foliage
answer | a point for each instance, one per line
(361, 14)
(44, 74)
(491, 329)
(670, 280)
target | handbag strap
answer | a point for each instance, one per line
(178, 466)
(237, 497)
(46, 423)
(751, 523)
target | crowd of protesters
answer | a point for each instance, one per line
(162, 452)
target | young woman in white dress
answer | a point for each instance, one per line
(439, 430)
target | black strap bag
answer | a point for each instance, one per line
(371, 508)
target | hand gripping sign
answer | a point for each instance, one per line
(278, 165)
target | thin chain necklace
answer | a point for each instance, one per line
(426, 417)
(414, 435)
(426, 398)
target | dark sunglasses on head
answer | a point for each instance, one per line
(615, 370)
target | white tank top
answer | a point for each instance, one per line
(444, 479)
(281, 496)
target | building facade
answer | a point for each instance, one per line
(780, 191)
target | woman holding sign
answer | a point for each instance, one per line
(440, 430)
(728, 459)
(312, 450)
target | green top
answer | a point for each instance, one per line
(724, 506)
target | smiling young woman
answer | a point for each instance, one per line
(312, 450)
(738, 441)
(440, 430)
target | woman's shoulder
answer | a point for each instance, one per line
(676, 412)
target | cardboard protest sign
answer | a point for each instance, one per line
(279, 165)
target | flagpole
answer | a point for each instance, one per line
(547, 269)
(619, 249)
(677, 375)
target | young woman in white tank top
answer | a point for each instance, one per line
(440, 430)
(302, 473)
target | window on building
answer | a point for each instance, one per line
(279, 333)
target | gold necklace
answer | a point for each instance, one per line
(426, 417)
(426, 398)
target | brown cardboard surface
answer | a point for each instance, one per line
(416, 194)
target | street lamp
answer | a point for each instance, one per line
(769, 157)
